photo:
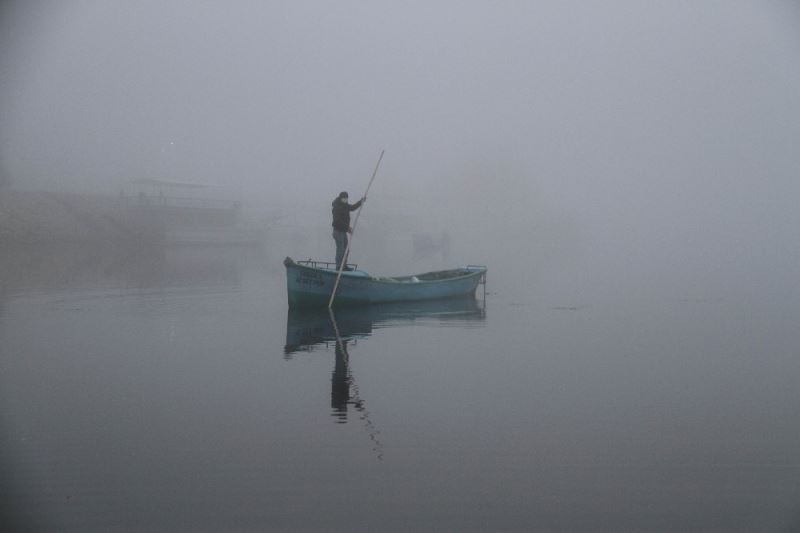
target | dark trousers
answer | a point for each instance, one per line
(341, 245)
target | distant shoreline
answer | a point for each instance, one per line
(45, 218)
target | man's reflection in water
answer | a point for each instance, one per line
(341, 382)
(344, 392)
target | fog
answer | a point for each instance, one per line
(587, 138)
(627, 171)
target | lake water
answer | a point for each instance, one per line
(177, 393)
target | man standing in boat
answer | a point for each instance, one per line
(341, 224)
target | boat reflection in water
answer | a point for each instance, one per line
(310, 329)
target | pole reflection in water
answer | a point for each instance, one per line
(344, 390)
(307, 329)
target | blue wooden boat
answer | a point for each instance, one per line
(310, 283)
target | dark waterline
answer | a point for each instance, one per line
(176, 392)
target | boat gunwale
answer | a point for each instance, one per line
(392, 280)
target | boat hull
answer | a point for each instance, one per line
(312, 287)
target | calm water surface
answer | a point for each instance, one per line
(178, 393)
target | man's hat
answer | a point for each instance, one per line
(343, 194)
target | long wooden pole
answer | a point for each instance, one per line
(350, 240)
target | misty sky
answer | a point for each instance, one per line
(672, 122)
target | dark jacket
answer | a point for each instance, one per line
(341, 213)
